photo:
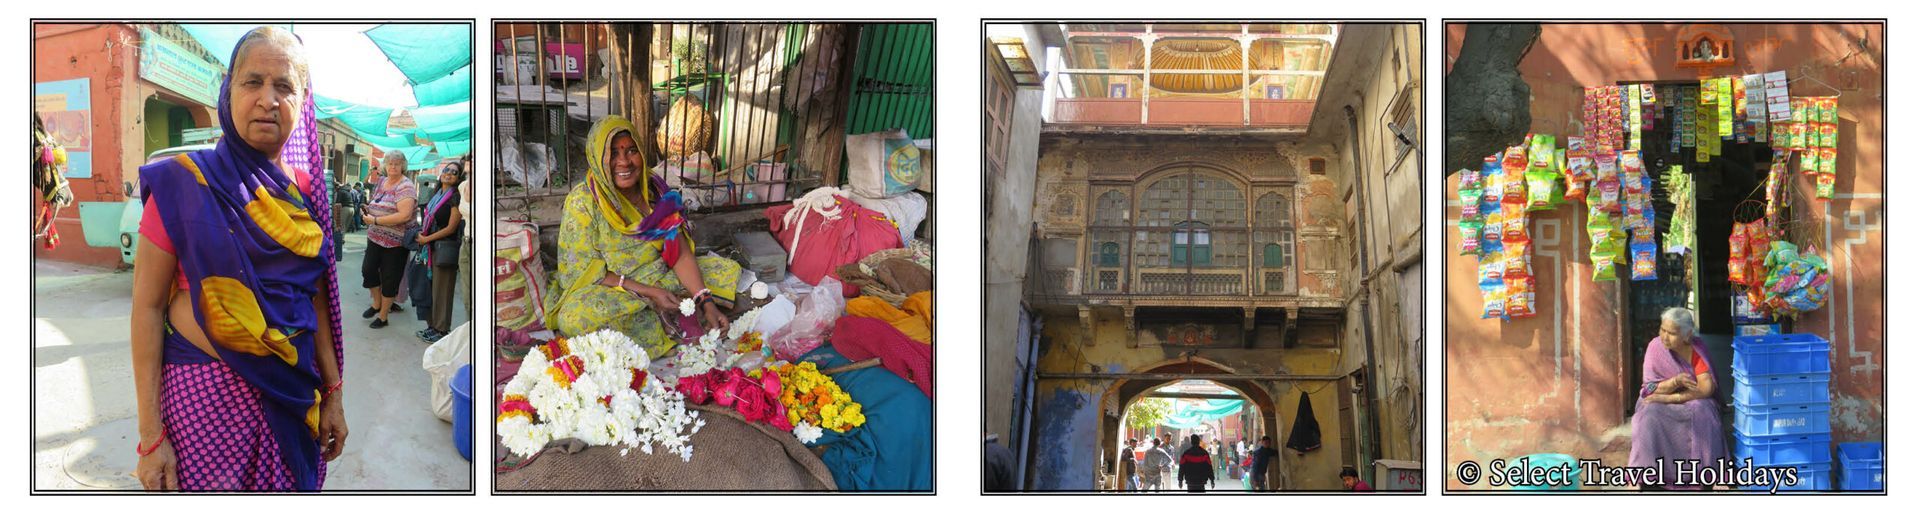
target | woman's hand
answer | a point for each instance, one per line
(160, 470)
(333, 427)
(713, 319)
(368, 219)
(661, 299)
(422, 239)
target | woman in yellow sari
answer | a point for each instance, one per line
(626, 252)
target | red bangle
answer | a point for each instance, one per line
(336, 386)
(149, 451)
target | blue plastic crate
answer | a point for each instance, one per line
(1782, 354)
(1784, 449)
(1780, 389)
(1786, 419)
(1813, 477)
(1863, 466)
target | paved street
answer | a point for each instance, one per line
(84, 430)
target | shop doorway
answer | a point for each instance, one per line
(1164, 381)
(1728, 187)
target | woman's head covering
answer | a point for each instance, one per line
(663, 222)
(252, 284)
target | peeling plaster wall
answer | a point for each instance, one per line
(1553, 383)
(1009, 228)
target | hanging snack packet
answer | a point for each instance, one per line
(1470, 237)
(1576, 188)
(1540, 186)
(1827, 158)
(1514, 227)
(1829, 135)
(1520, 298)
(1823, 186)
(1809, 162)
(1830, 109)
(1603, 268)
(1644, 263)
(1470, 204)
(1490, 236)
(1494, 300)
(1737, 254)
(1519, 259)
(1492, 269)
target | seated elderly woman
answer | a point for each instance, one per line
(1676, 417)
(626, 256)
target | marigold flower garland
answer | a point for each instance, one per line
(815, 399)
(593, 388)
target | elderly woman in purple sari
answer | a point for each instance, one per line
(1676, 417)
(236, 309)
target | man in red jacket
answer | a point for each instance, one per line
(1196, 467)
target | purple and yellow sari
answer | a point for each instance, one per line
(1674, 431)
(255, 252)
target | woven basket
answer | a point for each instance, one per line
(688, 128)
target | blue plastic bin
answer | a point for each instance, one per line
(1786, 419)
(1783, 450)
(1550, 460)
(1780, 354)
(1780, 389)
(462, 386)
(1863, 466)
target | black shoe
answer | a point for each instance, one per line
(431, 336)
(378, 323)
(396, 308)
(369, 313)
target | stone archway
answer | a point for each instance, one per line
(1124, 392)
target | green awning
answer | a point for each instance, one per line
(1189, 415)
(425, 53)
(369, 121)
(448, 90)
(445, 122)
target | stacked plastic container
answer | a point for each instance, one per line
(1781, 405)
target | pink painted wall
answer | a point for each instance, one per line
(1552, 383)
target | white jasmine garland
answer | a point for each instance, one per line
(599, 407)
(686, 307)
(758, 291)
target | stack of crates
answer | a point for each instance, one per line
(1781, 405)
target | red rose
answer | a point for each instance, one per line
(779, 416)
(770, 382)
(696, 388)
(726, 389)
(753, 404)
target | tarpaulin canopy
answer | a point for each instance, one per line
(365, 75)
(1189, 415)
(445, 122)
(449, 90)
(453, 149)
(425, 53)
(368, 121)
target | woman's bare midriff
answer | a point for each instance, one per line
(180, 315)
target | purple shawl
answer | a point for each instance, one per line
(1671, 431)
(252, 248)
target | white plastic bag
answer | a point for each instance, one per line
(811, 322)
(906, 210)
(442, 360)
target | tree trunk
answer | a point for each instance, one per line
(1487, 101)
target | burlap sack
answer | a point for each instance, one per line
(729, 454)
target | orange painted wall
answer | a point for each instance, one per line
(1552, 383)
(100, 53)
